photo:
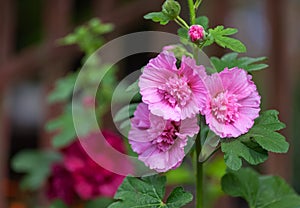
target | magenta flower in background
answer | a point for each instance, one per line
(233, 102)
(173, 93)
(80, 176)
(196, 33)
(61, 185)
(160, 143)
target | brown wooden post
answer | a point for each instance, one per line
(6, 48)
(280, 91)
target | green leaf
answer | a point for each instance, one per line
(231, 60)
(64, 127)
(203, 21)
(178, 198)
(219, 35)
(260, 191)
(63, 89)
(58, 204)
(98, 203)
(148, 192)
(158, 17)
(263, 132)
(36, 164)
(253, 146)
(88, 37)
(245, 148)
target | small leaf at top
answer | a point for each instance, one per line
(203, 21)
(231, 60)
(220, 36)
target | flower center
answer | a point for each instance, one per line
(176, 91)
(225, 107)
(167, 137)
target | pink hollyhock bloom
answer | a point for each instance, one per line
(173, 93)
(233, 102)
(196, 33)
(82, 176)
(160, 143)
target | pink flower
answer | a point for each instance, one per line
(78, 176)
(173, 93)
(233, 103)
(160, 143)
(196, 33)
(61, 185)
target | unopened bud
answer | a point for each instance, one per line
(196, 33)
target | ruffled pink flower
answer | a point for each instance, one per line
(233, 103)
(196, 33)
(160, 143)
(173, 93)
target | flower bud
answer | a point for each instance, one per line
(171, 8)
(196, 33)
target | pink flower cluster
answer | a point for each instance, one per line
(173, 97)
(78, 176)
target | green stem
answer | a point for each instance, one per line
(181, 22)
(197, 4)
(199, 175)
(192, 11)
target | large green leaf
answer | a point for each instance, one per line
(149, 192)
(253, 146)
(260, 191)
(231, 60)
(236, 149)
(264, 132)
(98, 203)
(36, 164)
(220, 36)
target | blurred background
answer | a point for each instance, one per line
(31, 61)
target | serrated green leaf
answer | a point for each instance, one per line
(219, 35)
(231, 60)
(178, 198)
(36, 164)
(260, 191)
(148, 192)
(158, 17)
(253, 146)
(264, 132)
(203, 21)
(244, 148)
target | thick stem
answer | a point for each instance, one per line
(192, 11)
